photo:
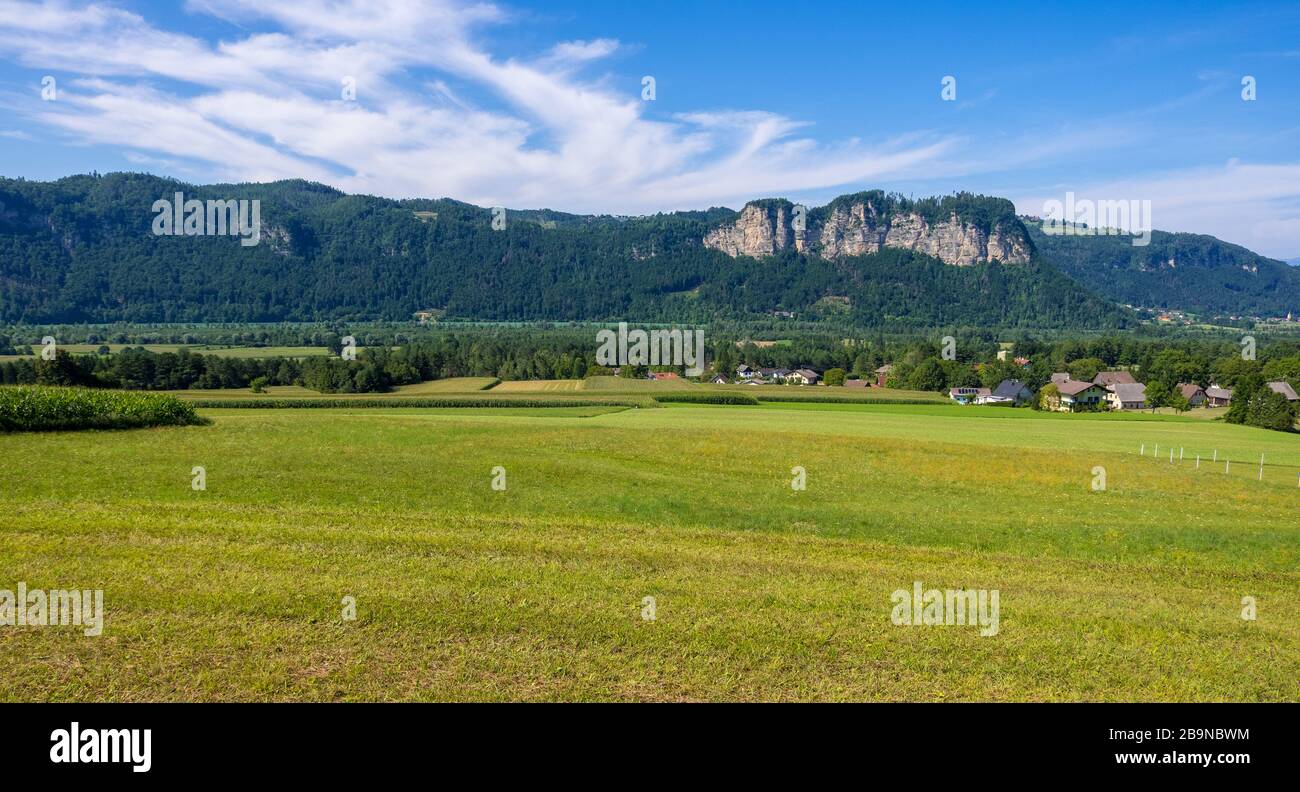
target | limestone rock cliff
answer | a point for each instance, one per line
(959, 230)
(762, 229)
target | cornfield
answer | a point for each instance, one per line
(36, 408)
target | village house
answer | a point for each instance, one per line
(1107, 379)
(661, 376)
(719, 379)
(744, 372)
(968, 395)
(883, 373)
(804, 377)
(1283, 388)
(1218, 397)
(1060, 377)
(1193, 393)
(1009, 392)
(1127, 396)
(1073, 394)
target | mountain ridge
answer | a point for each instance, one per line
(1175, 271)
(79, 249)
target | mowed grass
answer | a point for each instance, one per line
(538, 386)
(838, 392)
(761, 591)
(450, 385)
(631, 385)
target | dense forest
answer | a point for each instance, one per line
(1189, 272)
(81, 249)
(562, 353)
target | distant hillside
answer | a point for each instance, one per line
(1191, 272)
(82, 249)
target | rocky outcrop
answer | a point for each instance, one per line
(761, 230)
(860, 227)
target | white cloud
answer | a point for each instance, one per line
(438, 114)
(1254, 205)
(267, 105)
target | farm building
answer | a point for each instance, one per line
(1127, 396)
(1218, 397)
(1193, 393)
(1106, 379)
(1284, 388)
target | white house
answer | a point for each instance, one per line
(1127, 396)
(1076, 394)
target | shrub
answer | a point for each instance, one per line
(38, 408)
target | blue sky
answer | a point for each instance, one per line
(530, 104)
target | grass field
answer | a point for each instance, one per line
(539, 386)
(761, 591)
(452, 385)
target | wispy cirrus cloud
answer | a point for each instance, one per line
(1256, 205)
(267, 105)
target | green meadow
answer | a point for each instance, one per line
(760, 591)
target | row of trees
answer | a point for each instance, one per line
(1255, 404)
(1159, 367)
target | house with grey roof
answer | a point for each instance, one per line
(1009, 392)
(1218, 397)
(1193, 393)
(1127, 396)
(1283, 387)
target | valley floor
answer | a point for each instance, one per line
(759, 590)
